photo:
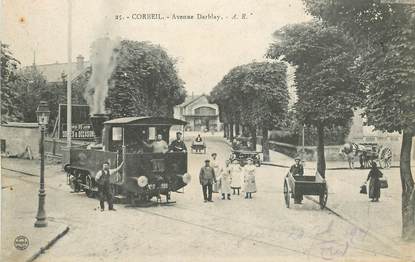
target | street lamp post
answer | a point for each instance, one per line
(42, 113)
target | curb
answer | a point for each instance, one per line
(18, 171)
(48, 245)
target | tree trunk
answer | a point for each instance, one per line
(225, 130)
(237, 130)
(321, 161)
(265, 144)
(231, 132)
(253, 138)
(408, 192)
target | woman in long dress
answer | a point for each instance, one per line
(225, 181)
(215, 165)
(374, 183)
(249, 179)
(235, 170)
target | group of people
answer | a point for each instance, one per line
(160, 146)
(229, 179)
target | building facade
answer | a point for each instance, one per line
(199, 113)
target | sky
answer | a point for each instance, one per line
(205, 49)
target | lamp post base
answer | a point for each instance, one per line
(41, 223)
(41, 214)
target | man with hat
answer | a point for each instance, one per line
(178, 144)
(104, 189)
(207, 178)
(297, 169)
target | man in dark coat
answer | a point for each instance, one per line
(104, 187)
(207, 178)
(178, 144)
(297, 168)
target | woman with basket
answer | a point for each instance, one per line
(374, 183)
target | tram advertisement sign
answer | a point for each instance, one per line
(81, 126)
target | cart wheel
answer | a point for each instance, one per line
(286, 194)
(323, 198)
(89, 192)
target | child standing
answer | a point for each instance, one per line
(249, 179)
(236, 173)
(225, 181)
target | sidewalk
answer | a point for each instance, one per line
(18, 213)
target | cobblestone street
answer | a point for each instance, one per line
(261, 227)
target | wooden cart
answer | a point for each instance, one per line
(296, 187)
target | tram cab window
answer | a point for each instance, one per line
(117, 134)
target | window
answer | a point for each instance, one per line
(152, 133)
(116, 133)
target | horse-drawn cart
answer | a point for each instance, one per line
(368, 153)
(296, 186)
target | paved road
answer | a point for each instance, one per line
(261, 227)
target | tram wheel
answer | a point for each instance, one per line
(88, 191)
(323, 198)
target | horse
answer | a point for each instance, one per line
(351, 151)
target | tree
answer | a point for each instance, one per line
(384, 34)
(9, 106)
(32, 88)
(326, 86)
(144, 82)
(256, 94)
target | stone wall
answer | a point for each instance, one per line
(18, 136)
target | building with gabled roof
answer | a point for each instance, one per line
(199, 113)
(57, 72)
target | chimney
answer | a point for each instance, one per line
(79, 63)
(97, 121)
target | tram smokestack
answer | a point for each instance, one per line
(97, 121)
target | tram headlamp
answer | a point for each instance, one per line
(186, 178)
(142, 181)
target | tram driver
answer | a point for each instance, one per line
(178, 145)
(158, 146)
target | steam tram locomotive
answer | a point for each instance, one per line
(144, 175)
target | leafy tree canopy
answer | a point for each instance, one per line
(144, 82)
(385, 36)
(327, 88)
(9, 107)
(255, 93)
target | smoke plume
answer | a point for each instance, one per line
(103, 62)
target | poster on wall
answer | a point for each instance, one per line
(81, 125)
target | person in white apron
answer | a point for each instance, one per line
(225, 181)
(249, 179)
(215, 165)
(235, 170)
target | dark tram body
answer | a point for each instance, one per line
(144, 174)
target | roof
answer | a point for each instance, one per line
(53, 72)
(190, 100)
(145, 120)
